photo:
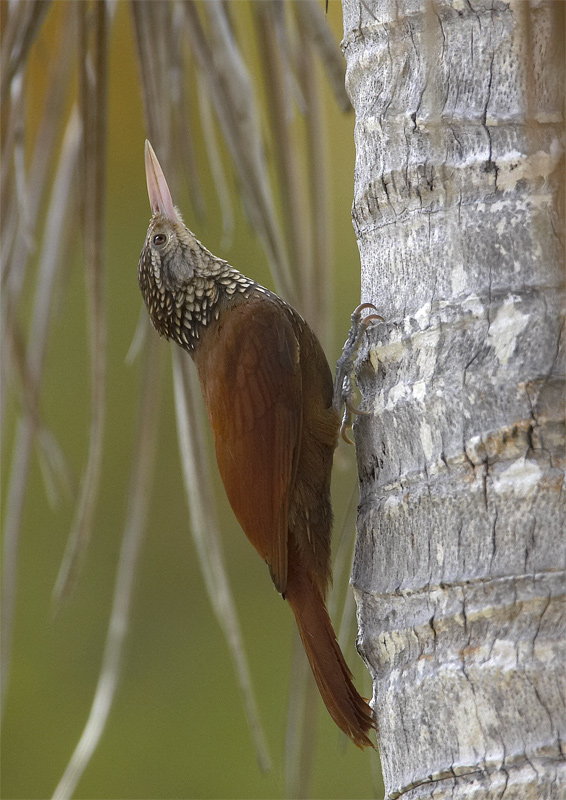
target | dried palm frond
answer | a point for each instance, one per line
(93, 100)
(59, 216)
(138, 497)
(54, 183)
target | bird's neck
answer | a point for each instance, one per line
(188, 312)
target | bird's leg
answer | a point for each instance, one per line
(344, 377)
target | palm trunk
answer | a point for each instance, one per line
(460, 561)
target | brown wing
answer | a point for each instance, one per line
(251, 380)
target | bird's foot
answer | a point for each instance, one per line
(344, 377)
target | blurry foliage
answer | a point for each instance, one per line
(247, 98)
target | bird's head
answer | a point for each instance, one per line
(179, 278)
(171, 252)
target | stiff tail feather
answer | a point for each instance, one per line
(347, 708)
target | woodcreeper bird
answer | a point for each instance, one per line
(268, 392)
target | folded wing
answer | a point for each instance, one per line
(253, 396)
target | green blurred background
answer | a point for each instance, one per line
(177, 727)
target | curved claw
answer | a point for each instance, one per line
(362, 324)
(343, 433)
(371, 318)
(356, 410)
(346, 423)
(364, 305)
(343, 389)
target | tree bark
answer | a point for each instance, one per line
(459, 570)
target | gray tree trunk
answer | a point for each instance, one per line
(460, 563)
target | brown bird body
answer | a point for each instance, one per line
(268, 392)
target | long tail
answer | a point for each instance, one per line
(349, 711)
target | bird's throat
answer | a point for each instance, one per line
(184, 314)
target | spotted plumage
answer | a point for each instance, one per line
(179, 310)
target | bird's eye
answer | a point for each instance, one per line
(159, 239)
